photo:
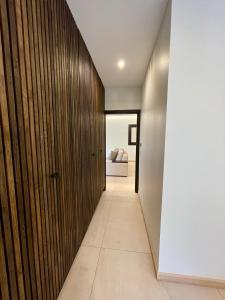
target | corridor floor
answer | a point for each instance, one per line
(114, 261)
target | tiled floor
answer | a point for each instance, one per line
(114, 261)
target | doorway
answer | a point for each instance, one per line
(130, 144)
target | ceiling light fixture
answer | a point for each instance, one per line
(164, 62)
(121, 64)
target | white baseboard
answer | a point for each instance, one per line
(195, 280)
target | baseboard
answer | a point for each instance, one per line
(154, 257)
(195, 280)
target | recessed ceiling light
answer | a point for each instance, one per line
(121, 64)
(164, 62)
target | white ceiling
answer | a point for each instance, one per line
(115, 29)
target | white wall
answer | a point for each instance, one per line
(193, 210)
(153, 121)
(123, 98)
(117, 133)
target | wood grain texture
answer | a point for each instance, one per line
(52, 146)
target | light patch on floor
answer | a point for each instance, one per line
(114, 261)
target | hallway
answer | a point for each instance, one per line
(88, 88)
(114, 261)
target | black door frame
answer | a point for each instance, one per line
(130, 112)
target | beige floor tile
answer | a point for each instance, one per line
(126, 276)
(116, 198)
(190, 292)
(120, 187)
(126, 229)
(222, 293)
(122, 194)
(125, 211)
(120, 184)
(126, 236)
(78, 284)
(131, 169)
(96, 229)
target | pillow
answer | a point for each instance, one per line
(114, 155)
(119, 155)
(125, 157)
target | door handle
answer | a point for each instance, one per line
(54, 175)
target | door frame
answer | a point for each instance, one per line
(130, 112)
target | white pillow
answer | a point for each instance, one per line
(125, 157)
(119, 155)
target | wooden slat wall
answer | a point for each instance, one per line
(52, 146)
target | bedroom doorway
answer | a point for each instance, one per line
(122, 147)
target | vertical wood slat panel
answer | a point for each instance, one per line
(53, 66)
(48, 143)
(21, 130)
(51, 146)
(15, 149)
(58, 130)
(40, 61)
(3, 275)
(33, 139)
(46, 34)
(8, 242)
(35, 76)
(28, 137)
(7, 181)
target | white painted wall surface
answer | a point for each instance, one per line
(193, 210)
(153, 122)
(117, 134)
(123, 98)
